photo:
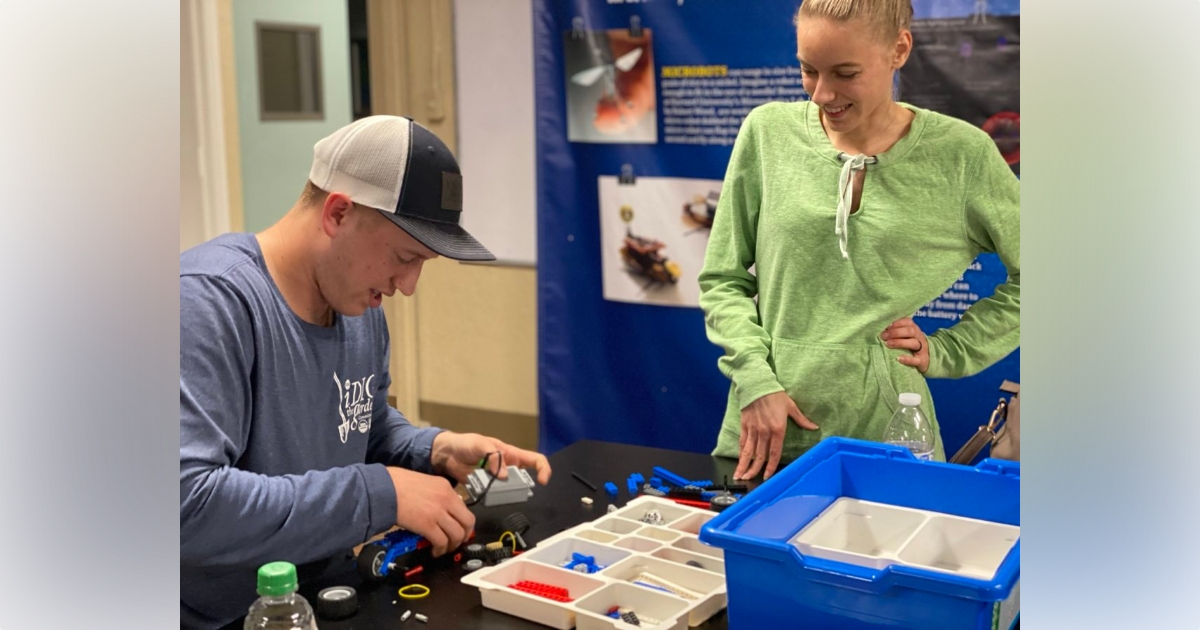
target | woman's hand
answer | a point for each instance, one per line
(906, 335)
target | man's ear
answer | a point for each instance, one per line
(335, 212)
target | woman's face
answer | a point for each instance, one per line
(847, 70)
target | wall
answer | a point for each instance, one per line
(473, 363)
(191, 215)
(276, 155)
(464, 348)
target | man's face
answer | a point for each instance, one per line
(369, 257)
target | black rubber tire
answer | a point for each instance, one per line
(370, 562)
(516, 523)
(500, 553)
(475, 551)
(722, 501)
(337, 602)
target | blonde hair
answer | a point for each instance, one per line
(311, 195)
(887, 17)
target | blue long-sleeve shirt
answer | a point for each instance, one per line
(284, 431)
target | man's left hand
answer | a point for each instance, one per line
(457, 454)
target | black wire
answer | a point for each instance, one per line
(490, 481)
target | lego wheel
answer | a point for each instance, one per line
(370, 562)
(516, 523)
(475, 551)
(337, 602)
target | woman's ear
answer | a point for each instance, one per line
(904, 44)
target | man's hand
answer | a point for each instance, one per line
(457, 454)
(429, 506)
(761, 439)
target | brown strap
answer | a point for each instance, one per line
(972, 448)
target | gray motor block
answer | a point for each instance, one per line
(516, 489)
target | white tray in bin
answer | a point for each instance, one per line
(878, 535)
(627, 549)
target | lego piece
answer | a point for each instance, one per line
(670, 477)
(652, 517)
(549, 591)
(337, 602)
(611, 489)
(500, 554)
(474, 564)
(695, 494)
(688, 502)
(657, 588)
(583, 481)
(582, 563)
(407, 592)
(518, 524)
(634, 482)
(475, 551)
(586, 500)
(652, 491)
(421, 618)
(651, 580)
(611, 508)
(630, 618)
(721, 501)
(406, 615)
(377, 559)
(516, 489)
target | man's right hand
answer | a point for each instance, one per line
(761, 439)
(429, 506)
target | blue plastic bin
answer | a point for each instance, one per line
(772, 585)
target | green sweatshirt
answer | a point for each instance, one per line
(932, 203)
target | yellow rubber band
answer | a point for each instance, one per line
(514, 540)
(413, 595)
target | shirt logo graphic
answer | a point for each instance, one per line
(355, 403)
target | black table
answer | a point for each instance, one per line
(552, 509)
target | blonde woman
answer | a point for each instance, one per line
(854, 210)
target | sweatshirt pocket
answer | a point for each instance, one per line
(845, 389)
(895, 378)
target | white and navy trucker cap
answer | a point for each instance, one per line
(400, 168)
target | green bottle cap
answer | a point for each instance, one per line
(276, 578)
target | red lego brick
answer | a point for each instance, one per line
(549, 591)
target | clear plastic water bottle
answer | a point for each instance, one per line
(910, 428)
(279, 606)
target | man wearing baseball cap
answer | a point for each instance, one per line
(288, 449)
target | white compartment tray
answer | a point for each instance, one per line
(878, 535)
(661, 571)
